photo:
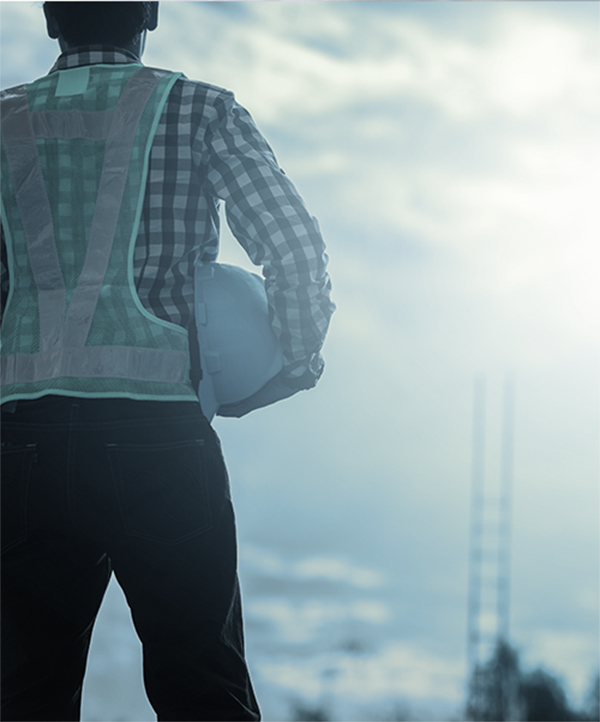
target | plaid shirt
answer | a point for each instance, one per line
(207, 150)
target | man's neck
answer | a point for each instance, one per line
(135, 47)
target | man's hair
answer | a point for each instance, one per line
(90, 23)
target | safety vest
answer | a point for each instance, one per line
(75, 149)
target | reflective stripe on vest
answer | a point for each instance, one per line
(64, 332)
(36, 216)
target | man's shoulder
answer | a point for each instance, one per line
(202, 89)
(14, 90)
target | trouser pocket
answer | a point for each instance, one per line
(16, 472)
(162, 489)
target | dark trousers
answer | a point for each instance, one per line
(91, 486)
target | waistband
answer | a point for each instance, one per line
(54, 409)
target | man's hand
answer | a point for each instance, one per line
(274, 390)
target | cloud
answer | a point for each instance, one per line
(326, 568)
(297, 61)
(398, 670)
(303, 622)
(27, 51)
(465, 161)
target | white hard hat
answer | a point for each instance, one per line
(239, 351)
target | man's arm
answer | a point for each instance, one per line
(271, 222)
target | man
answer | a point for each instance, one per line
(111, 178)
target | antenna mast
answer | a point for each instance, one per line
(490, 538)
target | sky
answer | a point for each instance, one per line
(451, 153)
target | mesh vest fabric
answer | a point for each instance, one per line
(79, 107)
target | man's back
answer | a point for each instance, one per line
(207, 150)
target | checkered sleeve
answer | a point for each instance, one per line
(269, 219)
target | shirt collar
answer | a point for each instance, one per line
(92, 55)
